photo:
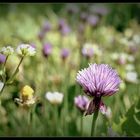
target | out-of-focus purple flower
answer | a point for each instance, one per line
(81, 29)
(61, 23)
(132, 48)
(2, 58)
(41, 35)
(63, 27)
(83, 16)
(46, 26)
(100, 10)
(65, 53)
(47, 49)
(81, 103)
(65, 30)
(93, 20)
(98, 80)
(87, 50)
(72, 8)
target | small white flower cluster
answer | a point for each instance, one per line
(25, 50)
(7, 50)
(22, 50)
(55, 97)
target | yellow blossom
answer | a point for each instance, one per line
(27, 93)
(26, 96)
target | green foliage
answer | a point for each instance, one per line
(129, 123)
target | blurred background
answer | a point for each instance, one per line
(91, 33)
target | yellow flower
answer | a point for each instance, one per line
(27, 93)
(26, 96)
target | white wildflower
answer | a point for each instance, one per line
(131, 77)
(54, 98)
(25, 50)
(7, 50)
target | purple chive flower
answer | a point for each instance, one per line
(2, 58)
(72, 9)
(41, 35)
(47, 49)
(65, 30)
(98, 80)
(100, 10)
(65, 53)
(81, 28)
(93, 20)
(81, 103)
(133, 49)
(63, 27)
(46, 26)
(61, 23)
(83, 16)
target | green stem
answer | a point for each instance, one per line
(82, 126)
(56, 122)
(62, 121)
(29, 121)
(65, 108)
(14, 74)
(5, 61)
(5, 82)
(95, 115)
(5, 74)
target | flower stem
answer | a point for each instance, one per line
(29, 121)
(93, 129)
(5, 82)
(16, 70)
(56, 116)
(5, 61)
(5, 74)
(82, 126)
